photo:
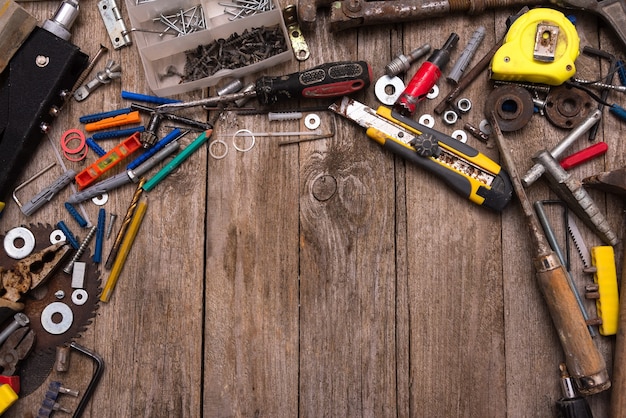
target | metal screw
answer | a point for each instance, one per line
(19, 320)
(83, 247)
(111, 222)
(59, 294)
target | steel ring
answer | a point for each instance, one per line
(427, 120)
(566, 107)
(385, 83)
(512, 105)
(450, 117)
(57, 236)
(79, 297)
(459, 135)
(243, 131)
(464, 105)
(13, 235)
(213, 154)
(433, 93)
(312, 121)
(101, 200)
(57, 327)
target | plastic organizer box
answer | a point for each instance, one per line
(158, 52)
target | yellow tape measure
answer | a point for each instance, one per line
(540, 47)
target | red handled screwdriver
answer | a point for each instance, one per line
(324, 81)
(425, 78)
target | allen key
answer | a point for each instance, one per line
(95, 378)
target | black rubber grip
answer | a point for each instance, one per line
(324, 81)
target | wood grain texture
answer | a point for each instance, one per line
(326, 278)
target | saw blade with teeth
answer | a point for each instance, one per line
(577, 237)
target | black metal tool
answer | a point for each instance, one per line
(33, 88)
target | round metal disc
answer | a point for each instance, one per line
(568, 107)
(513, 107)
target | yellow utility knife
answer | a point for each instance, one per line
(467, 171)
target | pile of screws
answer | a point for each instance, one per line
(182, 22)
(236, 51)
(244, 8)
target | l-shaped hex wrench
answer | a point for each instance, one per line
(94, 379)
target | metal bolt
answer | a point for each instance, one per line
(59, 294)
(19, 320)
(402, 63)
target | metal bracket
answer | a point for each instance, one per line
(114, 23)
(298, 43)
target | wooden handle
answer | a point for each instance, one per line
(584, 362)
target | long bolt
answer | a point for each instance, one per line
(110, 226)
(89, 68)
(402, 63)
(19, 320)
(599, 85)
(81, 250)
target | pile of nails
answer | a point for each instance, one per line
(252, 46)
(182, 22)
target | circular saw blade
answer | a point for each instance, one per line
(36, 301)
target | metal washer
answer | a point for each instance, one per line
(312, 121)
(56, 328)
(57, 236)
(101, 200)
(19, 252)
(79, 297)
(396, 85)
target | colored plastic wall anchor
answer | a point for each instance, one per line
(69, 236)
(97, 255)
(119, 133)
(94, 117)
(121, 120)
(95, 147)
(129, 95)
(77, 216)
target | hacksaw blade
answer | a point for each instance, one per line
(579, 243)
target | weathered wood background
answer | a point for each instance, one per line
(325, 278)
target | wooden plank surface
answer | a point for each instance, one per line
(327, 277)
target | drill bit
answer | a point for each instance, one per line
(125, 222)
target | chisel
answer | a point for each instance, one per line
(584, 362)
(324, 81)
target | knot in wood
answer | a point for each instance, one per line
(324, 187)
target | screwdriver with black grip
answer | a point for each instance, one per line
(583, 359)
(322, 82)
(571, 405)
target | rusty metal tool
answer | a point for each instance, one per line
(15, 349)
(28, 274)
(608, 181)
(571, 191)
(583, 359)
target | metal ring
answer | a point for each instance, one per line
(58, 327)
(384, 83)
(427, 120)
(243, 131)
(213, 154)
(433, 93)
(101, 199)
(312, 121)
(459, 135)
(57, 236)
(19, 233)
(464, 105)
(450, 117)
(512, 106)
(79, 297)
